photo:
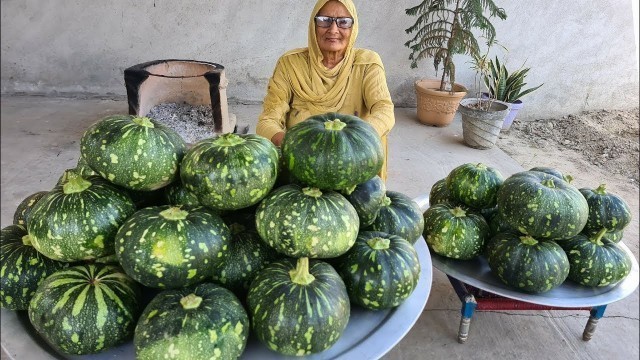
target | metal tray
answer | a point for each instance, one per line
(369, 334)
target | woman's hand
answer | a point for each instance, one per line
(277, 138)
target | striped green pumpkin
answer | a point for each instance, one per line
(595, 261)
(542, 205)
(333, 151)
(606, 210)
(23, 268)
(475, 185)
(399, 215)
(230, 171)
(21, 215)
(307, 222)
(204, 321)
(135, 152)
(86, 309)
(248, 254)
(78, 220)
(170, 247)
(439, 193)
(527, 264)
(298, 307)
(380, 271)
(367, 198)
(455, 233)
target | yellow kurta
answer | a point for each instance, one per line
(302, 87)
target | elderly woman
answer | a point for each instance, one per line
(328, 76)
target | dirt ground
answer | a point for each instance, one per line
(594, 147)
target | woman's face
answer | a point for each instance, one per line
(333, 39)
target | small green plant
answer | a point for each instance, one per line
(444, 28)
(505, 86)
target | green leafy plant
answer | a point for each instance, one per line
(505, 86)
(444, 28)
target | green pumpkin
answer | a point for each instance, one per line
(23, 268)
(333, 151)
(606, 210)
(307, 222)
(230, 171)
(298, 307)
(86, 309)
(554, 172)
(170, 247)
(380, 271)
(79, 219)
(439, 193)
(542, 205)
(455, 233)
(474, 185)
(367, 198)
(21, 215)
(596, 261)
(197, 322)
(134, 152)
(177, 194)
(527, 264)
(399, 215)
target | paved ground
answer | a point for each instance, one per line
(40, 139)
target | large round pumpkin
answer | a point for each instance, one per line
(307, 222)
(606, 210)
(298, 307)
(135, 152)
(474, 185)
(542, 205)
(453, 232)
(399, 215)
(333, 151)
(230, 171)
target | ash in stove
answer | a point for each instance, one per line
(192, 122)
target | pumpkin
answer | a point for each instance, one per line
(399, 215)
(527, 264)
(380, 271)
(230, 171)
(86, 309)
(333, 151)
(134, 152)
(20, 216)
(455, 233)
(606, 210)
(542, 205)
(196, 322)
(367, 198)
(475, 185)
(298, 307)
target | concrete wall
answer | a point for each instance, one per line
(583, 51)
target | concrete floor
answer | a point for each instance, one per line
(40, 139)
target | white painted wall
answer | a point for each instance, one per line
(582, 50)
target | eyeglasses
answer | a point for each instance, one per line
(341, 22)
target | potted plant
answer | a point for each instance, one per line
(507, 87)
(443, 29)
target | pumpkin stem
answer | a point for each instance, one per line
(75, 184)
(458, 212)
(143, 121)
(300, 275)
(229, 139)
(312, 191)
(26, 240)
(349, 190)
(386, 201)
(568, 178)
(481, 166)
(334, 124)
(528, 240)
(174, 213)
(549, 183)
(378, 243)
(191, 301)
(601, 190)
(597, 238)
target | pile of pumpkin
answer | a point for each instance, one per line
(535, 229)
(185, 249)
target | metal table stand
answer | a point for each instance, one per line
(474, 299)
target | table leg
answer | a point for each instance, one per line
(596, 313)
(468, 307)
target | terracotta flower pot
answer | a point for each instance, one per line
(480, 128)
(435, 107)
